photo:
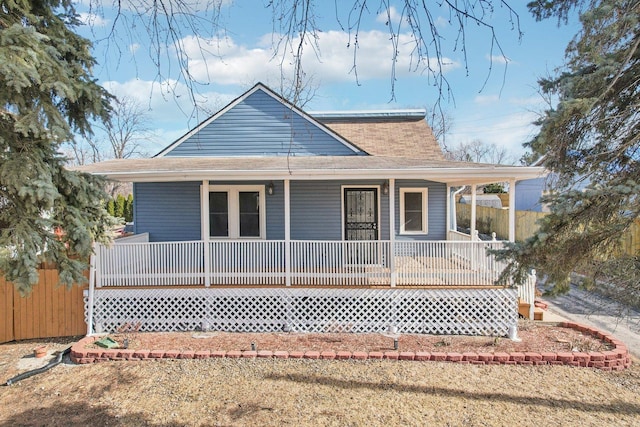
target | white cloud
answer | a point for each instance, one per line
(509, 130)
(389, 16)
(486, 99)
(93, 19)
(169, 102)
(500, 59)
(532, 102)
(442, 22)
(133, 48)
(224, 62)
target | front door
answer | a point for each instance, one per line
(361, 214)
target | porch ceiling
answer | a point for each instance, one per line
(306, 168)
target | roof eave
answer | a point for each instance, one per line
(450, 176)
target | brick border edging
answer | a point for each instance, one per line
(610, 360)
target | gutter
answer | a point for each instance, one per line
(460, 176)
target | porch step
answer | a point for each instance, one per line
(538, 313)
(523, 310)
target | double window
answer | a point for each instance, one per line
(237, 212)
(413, 211)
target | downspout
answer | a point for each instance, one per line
(454, 213)
(474, 202)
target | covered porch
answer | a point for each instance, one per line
(308, 266)
(437, 287)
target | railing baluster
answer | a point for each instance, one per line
(326, 263)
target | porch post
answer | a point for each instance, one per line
(97, 267)
(91, 295)
(448, 208)
(287, 232)
(512, 210)
(473, 211)
(392, 230)
(204, 209)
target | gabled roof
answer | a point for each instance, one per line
(260, 123)
(372, 145)
(386, 133)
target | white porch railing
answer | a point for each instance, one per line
(146, 264)
(446, 263)
(340, 263)
(458, 236)
(246, 262)
(313, 263)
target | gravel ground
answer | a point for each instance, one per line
(273, 392)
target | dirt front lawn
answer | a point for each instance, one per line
(533, 337)
(275, 392)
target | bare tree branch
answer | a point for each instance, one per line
(167, 24)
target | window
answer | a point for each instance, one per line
(413, 211)
(236, 212)
(219, 214)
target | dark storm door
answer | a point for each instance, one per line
(361, 214)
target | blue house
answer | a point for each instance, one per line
(268, 218)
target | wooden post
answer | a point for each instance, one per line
(287, 232)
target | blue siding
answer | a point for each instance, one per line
(260, 126)
(528, 193)
(171, 211)
(316, 209)
(275, 212)
(168, 211)
(436, 206)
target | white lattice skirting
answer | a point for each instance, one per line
(438, 311)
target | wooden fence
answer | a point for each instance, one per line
(490, 220)
(49, 311)
(631, 240)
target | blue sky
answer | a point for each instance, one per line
(494, 106)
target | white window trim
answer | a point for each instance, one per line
(342, 204)
(425, 216)
(234, 211)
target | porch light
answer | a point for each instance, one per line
(385, 188)
(270, 189)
